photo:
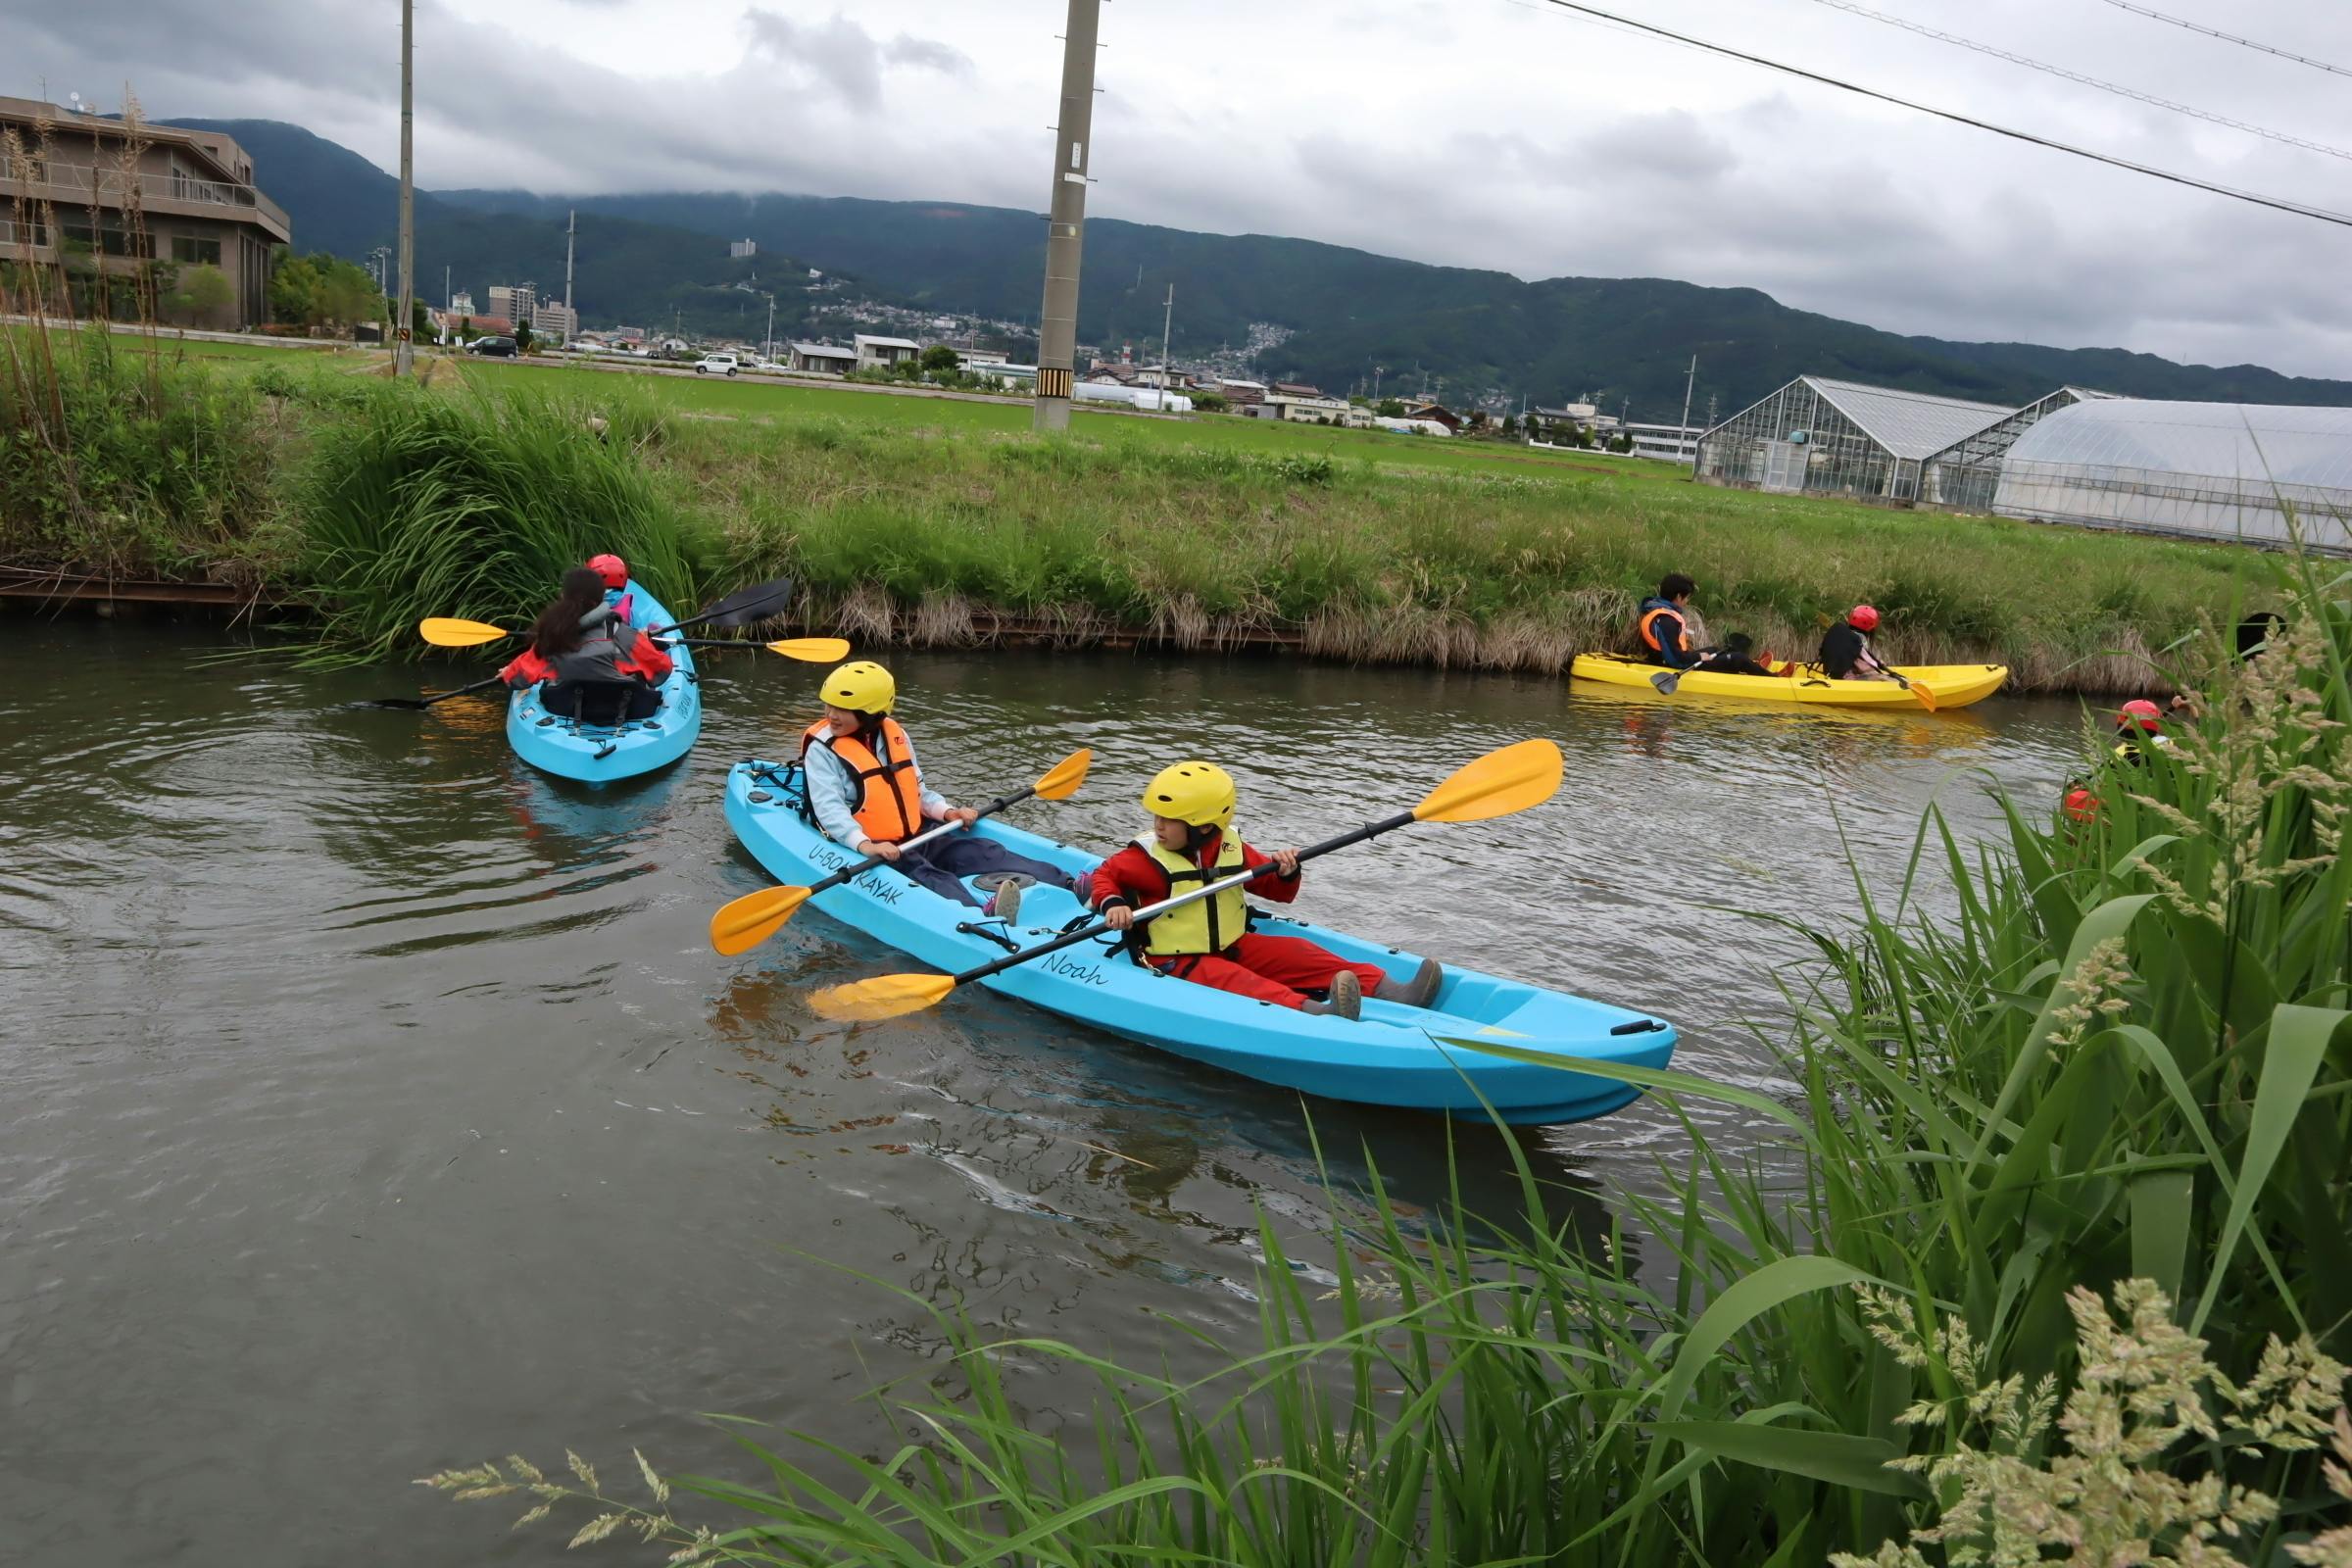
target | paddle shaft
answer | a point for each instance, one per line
(940, 832)
(1153, 911)
(427, 701)
(714, 615)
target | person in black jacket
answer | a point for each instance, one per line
(1845, 648)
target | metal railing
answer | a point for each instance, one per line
(87, 184)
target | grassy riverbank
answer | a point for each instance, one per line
(2052, 1257)
(930, 521)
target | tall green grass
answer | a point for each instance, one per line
(903, 534)
(416, 503)
(2122, 1069)
(117, 463)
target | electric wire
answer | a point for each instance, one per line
(2047, 68)
(2255, 198)
(2229, 37)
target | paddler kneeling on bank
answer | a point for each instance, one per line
(868, 792)
(581, 639)
(1191, 843)
(1664, 630)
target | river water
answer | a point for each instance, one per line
(371, 1105)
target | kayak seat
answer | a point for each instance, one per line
(600, 704)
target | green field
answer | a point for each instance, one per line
(940, 518)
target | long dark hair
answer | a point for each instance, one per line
(556, 631)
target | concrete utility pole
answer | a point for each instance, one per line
(1167, 325)
(1057, 323)
(571, 229)
(772, 326)
(403, 351)
(1688, 389)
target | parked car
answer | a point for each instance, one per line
(715, 364)
(498, 348)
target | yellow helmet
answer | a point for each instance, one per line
(862, 687)
(1199, 794)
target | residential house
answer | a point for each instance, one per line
(823, 357)
(488, 326)
(1298, 389)
(1419, 413)
(881, 353)
(1242, 393)
(188, 200)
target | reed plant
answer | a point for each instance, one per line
(2118, 1069)
(418, 503)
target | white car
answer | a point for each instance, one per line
(715, 364)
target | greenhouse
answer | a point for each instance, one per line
(1823, 437)
(1964, 475)
(2216, 471)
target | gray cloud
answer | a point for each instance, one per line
(1484, 133)
(843, 56)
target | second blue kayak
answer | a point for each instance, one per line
(599, 753)
(1417, 1059)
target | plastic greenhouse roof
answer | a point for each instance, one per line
(2221, 440)
(1909, 424)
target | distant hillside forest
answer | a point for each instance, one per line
(651, 260)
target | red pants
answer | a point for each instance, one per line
(1270, 968)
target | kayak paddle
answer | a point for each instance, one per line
(426, 702)
(444, 631)
(730, 614)
(752, 919)
(1499, 783)
(1927, 697)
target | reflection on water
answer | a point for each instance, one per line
(375, 1089)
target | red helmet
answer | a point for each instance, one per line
(1862, 619)
(614, 569)
(2081, 806)
(2143, 712)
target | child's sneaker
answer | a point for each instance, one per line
(1006, 902)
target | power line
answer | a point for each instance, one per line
(2046, 69)
(2229, 37)
(2274, 203)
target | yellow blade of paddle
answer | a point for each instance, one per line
(813, 649)
(888, 995)
(1063, 779)
(444, 631)
(1510, 779)
(752, 919)
(1919, 689)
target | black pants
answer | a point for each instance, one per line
(557, 697)
(939, 864)
(1733, 664)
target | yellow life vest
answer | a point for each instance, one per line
(1208, 925)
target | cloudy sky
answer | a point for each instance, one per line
(1502, 134)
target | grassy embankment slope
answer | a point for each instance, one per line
(925, 518)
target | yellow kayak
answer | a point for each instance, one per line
(1953, 685)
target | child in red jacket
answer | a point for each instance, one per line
(1208, 942)
(581, 638)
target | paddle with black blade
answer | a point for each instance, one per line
(752, 919)
(739, 609)
(1499, 783)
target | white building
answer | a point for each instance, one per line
(738, 249)
(884, 352)
(460, 303)
(1300, 409)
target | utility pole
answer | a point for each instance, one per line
(1167, 325)
(1376, 370)
(1057, 323)
(571, 229)
(772, 326)
(445, 294)
(403, 351)
(1688, 389)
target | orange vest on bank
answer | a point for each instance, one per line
(889, 803)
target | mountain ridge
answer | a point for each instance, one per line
(1625, 341)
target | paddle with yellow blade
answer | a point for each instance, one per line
(752, 919)
(443, 631)
(1499, 783)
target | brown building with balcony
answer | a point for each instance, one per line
(186, 198)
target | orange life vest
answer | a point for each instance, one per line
(889, 803)
(1650, 630)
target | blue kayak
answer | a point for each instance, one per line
(599, 754)
(1394, 1056)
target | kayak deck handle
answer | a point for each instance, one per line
(1639, 1026)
